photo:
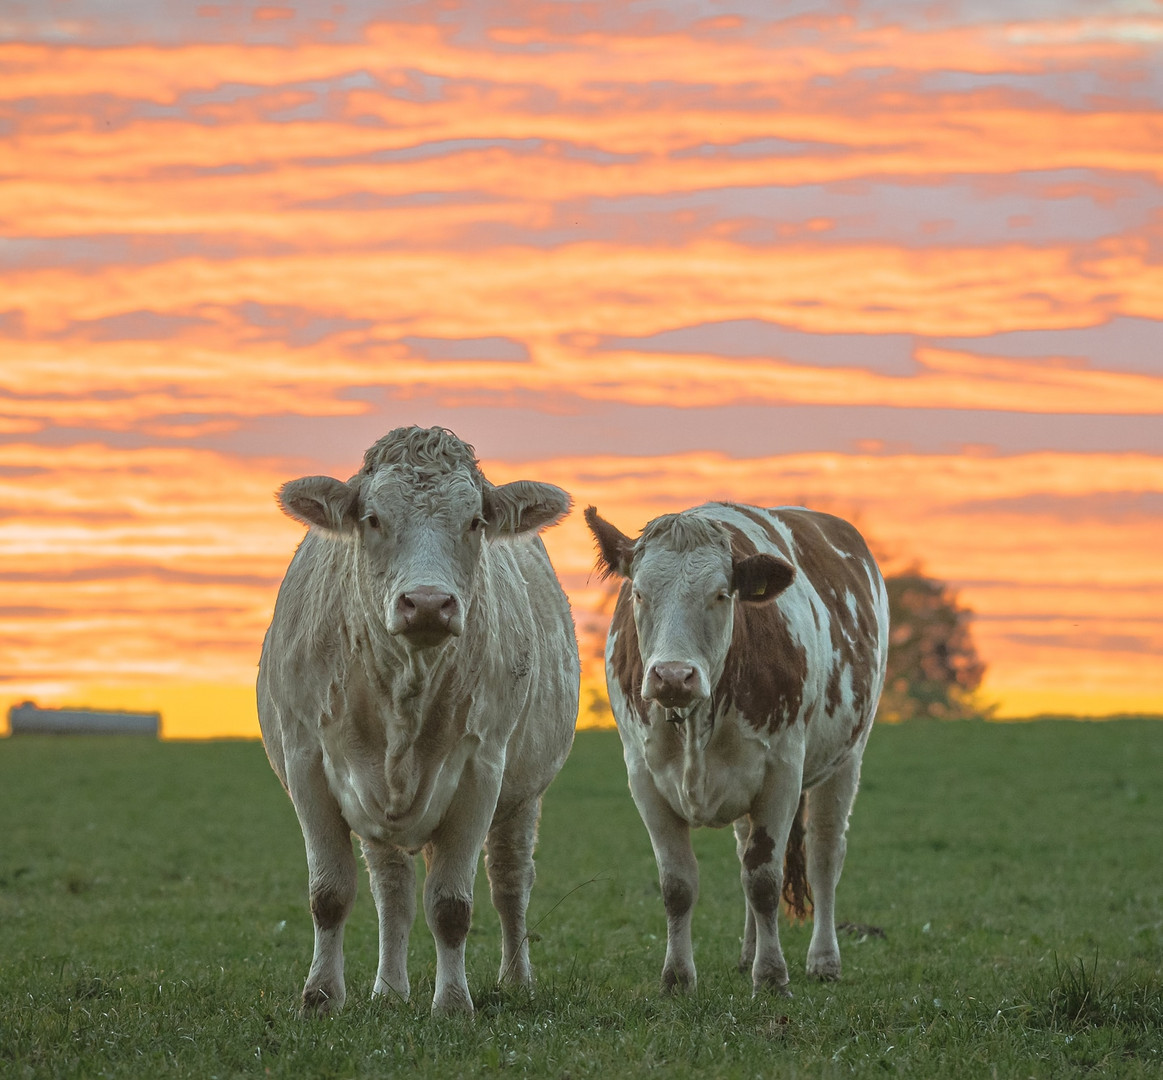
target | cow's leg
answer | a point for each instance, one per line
(331, 879)
(509, 859)
(452, 856)
(762, 873)
(678, 876)
(747, 954)
(829, 804)
(393, 883)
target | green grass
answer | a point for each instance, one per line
(153, 922)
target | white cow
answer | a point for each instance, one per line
(418, 687)
(744, 662)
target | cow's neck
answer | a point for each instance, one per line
(696, 731)
(416, 690)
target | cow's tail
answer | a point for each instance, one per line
(797, 896)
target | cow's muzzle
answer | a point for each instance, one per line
(426, 616)
(673, 685)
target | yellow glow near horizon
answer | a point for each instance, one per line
(188, 710)
(226, 711)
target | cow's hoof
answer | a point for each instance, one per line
(453, 1002)
(675, 981)
(516, 975)
(385, 991)
(776, 989)
(826, 969)
(776, 985)
(318, 1002)
(515, 986)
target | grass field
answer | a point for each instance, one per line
(153, 922)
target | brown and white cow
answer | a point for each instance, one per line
(418, 687)
(744, 662)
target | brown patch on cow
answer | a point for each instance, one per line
(763, 893)
(328, 909)
(797, 894)
(835, 559)
(765, 671)
(853, 634)
(760, 848)
(626, 658)
(451, 919)
(677, 896)
(763, 519)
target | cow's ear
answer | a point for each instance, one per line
(523, 506)
(759, 579)
(615, 548)
(321, 502)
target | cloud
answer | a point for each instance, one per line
(890, 354)
(1124, 343)
(535, 429)
(133, 326)
(1089, 642)
(1110, 507)
(296, 326)
(482, 348)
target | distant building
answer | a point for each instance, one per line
(31, 719)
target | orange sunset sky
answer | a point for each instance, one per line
(898, 260)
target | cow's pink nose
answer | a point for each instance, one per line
(427, 615)
(671, 684)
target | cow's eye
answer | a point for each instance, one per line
(373, 522)
(722, 597)
(475, 524)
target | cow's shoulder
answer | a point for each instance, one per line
(827, 535)
(850, 600)
(825, 627)
(766, 669)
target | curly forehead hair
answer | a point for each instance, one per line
(684, 532)
(429, 451)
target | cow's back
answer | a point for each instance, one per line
(831, 623)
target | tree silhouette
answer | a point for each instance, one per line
(934, 670)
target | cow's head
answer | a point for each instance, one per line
(684, 585)
(416, 517)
